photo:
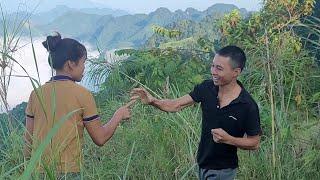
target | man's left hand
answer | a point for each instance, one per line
(221, 136)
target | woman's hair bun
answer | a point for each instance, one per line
(52, 41)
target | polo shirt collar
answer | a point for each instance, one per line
(243, 94)
(61, 78)
(243, 98)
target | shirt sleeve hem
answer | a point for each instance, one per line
(91, 118)
(254, 132)
(29, 116)
(194, 98)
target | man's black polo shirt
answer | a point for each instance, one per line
(240, 117)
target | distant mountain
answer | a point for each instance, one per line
(18, 117)
(78, 24)
(215, 10)
(127, 30)
(118, 30)
(220, 9)
(47, 17)
(104, 11)
(205, 26)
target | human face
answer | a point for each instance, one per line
(78, 69)
(222, 71)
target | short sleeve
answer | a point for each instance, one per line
(29, 111)
(197, 93)
(252, 123)
(88, 104)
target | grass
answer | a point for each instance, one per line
(158, 145)
(157, 140)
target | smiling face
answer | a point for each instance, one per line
(222, 71)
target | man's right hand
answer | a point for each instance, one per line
(144, 95)
(167, 105)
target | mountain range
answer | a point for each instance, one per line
(111, 29)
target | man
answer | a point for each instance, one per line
(230, 116)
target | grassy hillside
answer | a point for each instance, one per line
(282, 75)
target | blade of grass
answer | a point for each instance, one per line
(129, 160)
(188, 171)
(10, 171)
(34, 53)
(49, 172)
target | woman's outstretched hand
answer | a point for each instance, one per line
(124, 112)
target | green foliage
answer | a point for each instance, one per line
(156, 69)
(278, 61)
(192, 35)
(166, 32)
(17, 115)
(288, 59)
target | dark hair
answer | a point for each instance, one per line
(236, 55)
(62, 50)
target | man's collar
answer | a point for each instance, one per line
(61, 78)
(242, 96)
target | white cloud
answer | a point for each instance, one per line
(20, 88)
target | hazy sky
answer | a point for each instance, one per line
(147, 6)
